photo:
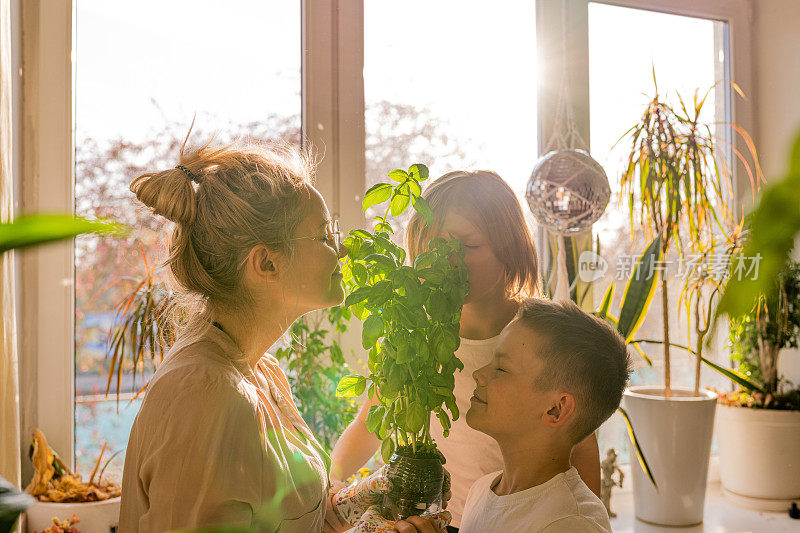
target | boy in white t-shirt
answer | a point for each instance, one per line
(557, 374)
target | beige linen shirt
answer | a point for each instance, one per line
(217, 442)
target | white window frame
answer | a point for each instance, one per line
(333, 122)
(47, 369)
(735, 42)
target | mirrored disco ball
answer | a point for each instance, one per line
(568, 191)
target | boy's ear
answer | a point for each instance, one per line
(263, 264)
(560, 411)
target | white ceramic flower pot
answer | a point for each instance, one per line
(789, 365)
(759, 456)
(95, 517)
(675, 435)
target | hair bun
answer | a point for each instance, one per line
(169, 193)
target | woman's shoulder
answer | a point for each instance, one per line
(199, 371)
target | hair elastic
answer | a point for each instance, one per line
(192, 176)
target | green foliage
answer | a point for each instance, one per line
(639, 291)
(411, 317)
(142, 331)
(774, 224)
(743, 346)
(33, 230)
(677, 183)
(314, 363)
(773, 323)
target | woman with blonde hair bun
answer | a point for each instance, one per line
(218, 440)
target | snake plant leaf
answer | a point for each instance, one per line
(606, 305)
(639, 453)
(642, 353)
(639, 291)
(32, 230)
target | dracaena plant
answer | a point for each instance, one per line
(411, 314)
(677, 182)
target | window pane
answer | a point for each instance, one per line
(451, 84)
(625, 47)
(143, 72)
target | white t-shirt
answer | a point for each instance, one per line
(470, 454)
(564, 504)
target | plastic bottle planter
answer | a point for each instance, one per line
(416, 484)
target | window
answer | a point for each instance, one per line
(142, 76)
(621, 84)
(451, 84)
(463, 73)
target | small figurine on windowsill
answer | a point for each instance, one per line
(607, 467)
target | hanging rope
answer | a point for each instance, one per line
(565, 134)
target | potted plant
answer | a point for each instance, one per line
(759, 427)
(676, 184)
(411, 316)
(24, 232)
(62, 496)
(314, 364)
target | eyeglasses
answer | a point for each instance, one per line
(333, 236)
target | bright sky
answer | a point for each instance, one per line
(471, 62)
(238, 63)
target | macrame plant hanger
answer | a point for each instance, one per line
(567, 161)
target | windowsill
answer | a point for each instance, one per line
(721, 516)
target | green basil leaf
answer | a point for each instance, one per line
(432, 275)
(376, 194)
(418, 171)
(445, 420)
(387, 450)
(351, 386)
(374, 418)
(399, 204)
(381, 292)
(372, 331)
(357, 296)
(381, 259)
(450, 402)
(421, 206)
(359, 311)
(424, 260)
(415, 417)
(384, 226)
(439, 306)
(399, 175)
(360, 273)
(404, 354)
(364, 234)
(414, 188)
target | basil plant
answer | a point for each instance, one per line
(411, 314)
